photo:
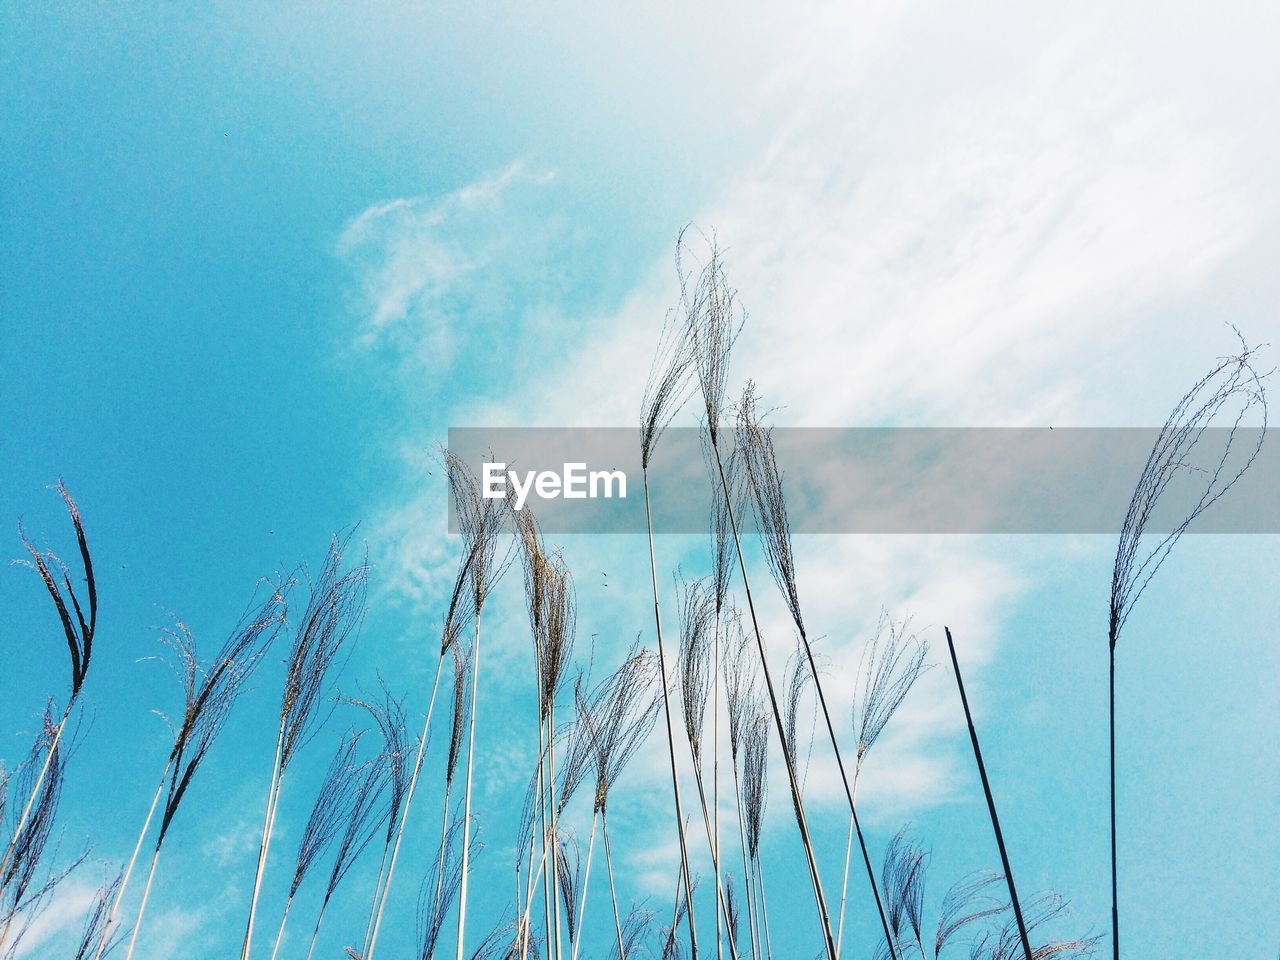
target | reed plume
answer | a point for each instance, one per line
(614, 721)
(209, 692)
(1230, 391)
(891, 663)
(387, 713)
(95, 923)
(438, 891)
(79, 635)
(334, 610)
(711, 322)
(966, 908)
(332, 808)
(363, 814)
(40, 777)
(764, 478)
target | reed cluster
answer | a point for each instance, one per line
(709, 661)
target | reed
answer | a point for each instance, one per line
(79, 634)
(95, 923)
(1228, 392)
(332, 808)
(970, 921)
(712, 320)
(765, 481)
(209, 693)
(41, 779)
(334, 610)
(363, 815)
(891, 663)
(387, 713)
(696, 667)
(480, 522)
(459, 613)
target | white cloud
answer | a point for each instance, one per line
(946, 218)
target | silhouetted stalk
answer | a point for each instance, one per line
(991, 804)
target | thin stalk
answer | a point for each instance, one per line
(554, 871)
(466, 804)
(142, 907)
(746, 870)
(280, 933)
(764, 909)
(582, 898)
(315, 931)
(991, 805)
(666, 707)
(848, 790)
(721, 903)
(828, 940)
(613, 892)
(404, 813)
(377, 894)
(715, 777)
(1111, 724)
(133, 859)
(844, 886)
(268, 821)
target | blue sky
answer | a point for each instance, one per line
(257, 262)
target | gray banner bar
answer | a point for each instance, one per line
(873, 480)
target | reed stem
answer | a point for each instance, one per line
(991, 804)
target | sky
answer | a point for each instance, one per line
(257, 262)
